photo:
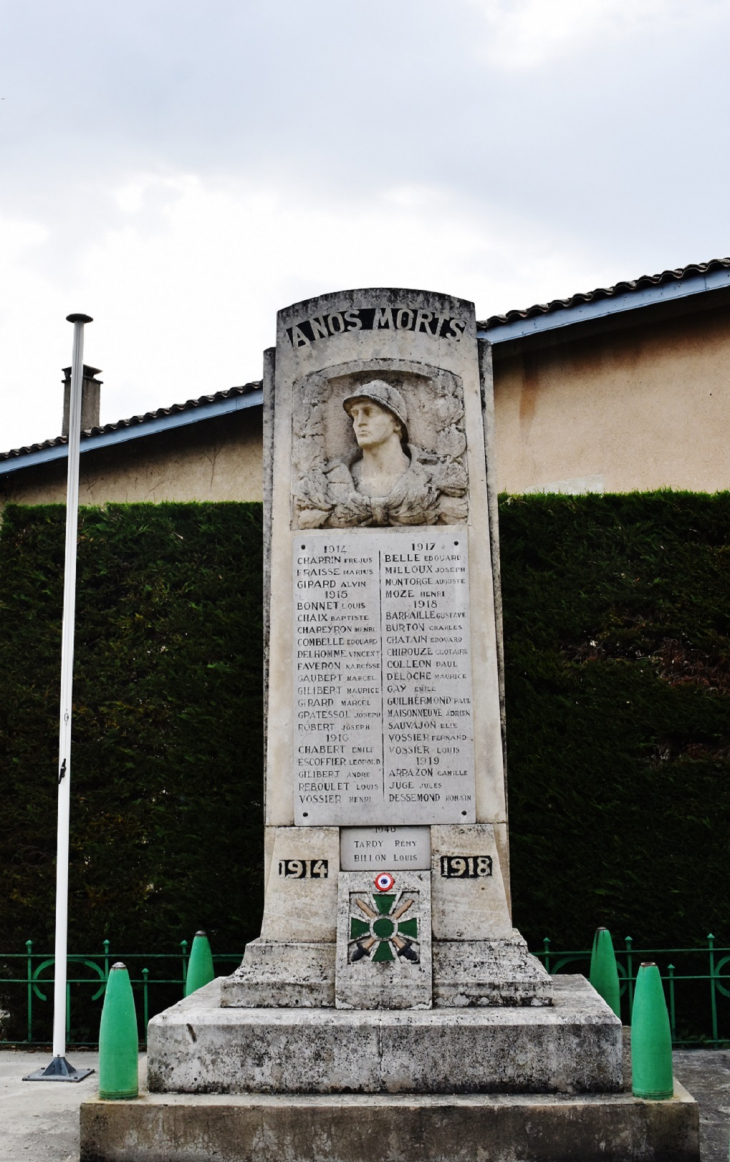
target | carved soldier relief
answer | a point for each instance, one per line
(379, 443)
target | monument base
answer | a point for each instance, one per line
(465, 973)
(299, 975)
(488, 972)
(380, 1128)
(571, 1046)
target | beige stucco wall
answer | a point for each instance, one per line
(642, 407)
(640, 403)
(217, 459)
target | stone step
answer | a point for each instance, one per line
(571, 1046)
(381, 1128)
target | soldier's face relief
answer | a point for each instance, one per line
(371, 423)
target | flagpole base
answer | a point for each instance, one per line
(59, 1070)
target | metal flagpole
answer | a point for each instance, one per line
(59, 1068)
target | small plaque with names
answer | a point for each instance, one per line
(382, 678)
(385, 848)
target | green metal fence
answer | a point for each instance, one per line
(696, 984)
(158, 979)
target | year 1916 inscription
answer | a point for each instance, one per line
(382, 678)
(466, 867)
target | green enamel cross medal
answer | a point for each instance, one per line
(384, 940)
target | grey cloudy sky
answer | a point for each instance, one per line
(181, 170)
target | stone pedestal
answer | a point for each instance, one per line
(489, 972)
(488, 1084)
(466, 973)
(383, 1128)
(451, 942)
(275, 974)
(571, 1046)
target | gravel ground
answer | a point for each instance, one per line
(39, 1121)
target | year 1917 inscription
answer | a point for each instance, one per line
(382, 681)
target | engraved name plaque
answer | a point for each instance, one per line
(385, 848)
(382, 678)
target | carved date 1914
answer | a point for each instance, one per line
(302, 869)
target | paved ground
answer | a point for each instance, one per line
(706, 1074)
(39, 1121)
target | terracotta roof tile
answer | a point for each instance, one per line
(133, 421)
(608, 292)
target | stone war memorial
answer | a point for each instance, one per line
(389, 1009)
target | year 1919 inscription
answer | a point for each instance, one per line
(466, 867)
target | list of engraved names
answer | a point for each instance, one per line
(382, 678)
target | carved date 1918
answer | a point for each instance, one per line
(302, 869)
(466, 867)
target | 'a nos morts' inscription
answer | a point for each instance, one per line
(382, 683)
(382, 318)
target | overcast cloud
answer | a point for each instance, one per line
(181, 170)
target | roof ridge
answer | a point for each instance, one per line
(625, 286)
(133, 421)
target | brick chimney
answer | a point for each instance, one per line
(90, 400)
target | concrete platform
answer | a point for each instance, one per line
(39, 1121)
(572, 1046)
(359, 1128)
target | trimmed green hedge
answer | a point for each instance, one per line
(617, 639)
(617, 634)
(166, 832)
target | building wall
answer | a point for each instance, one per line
(217, 459)
(642, 407)
(640, 401)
